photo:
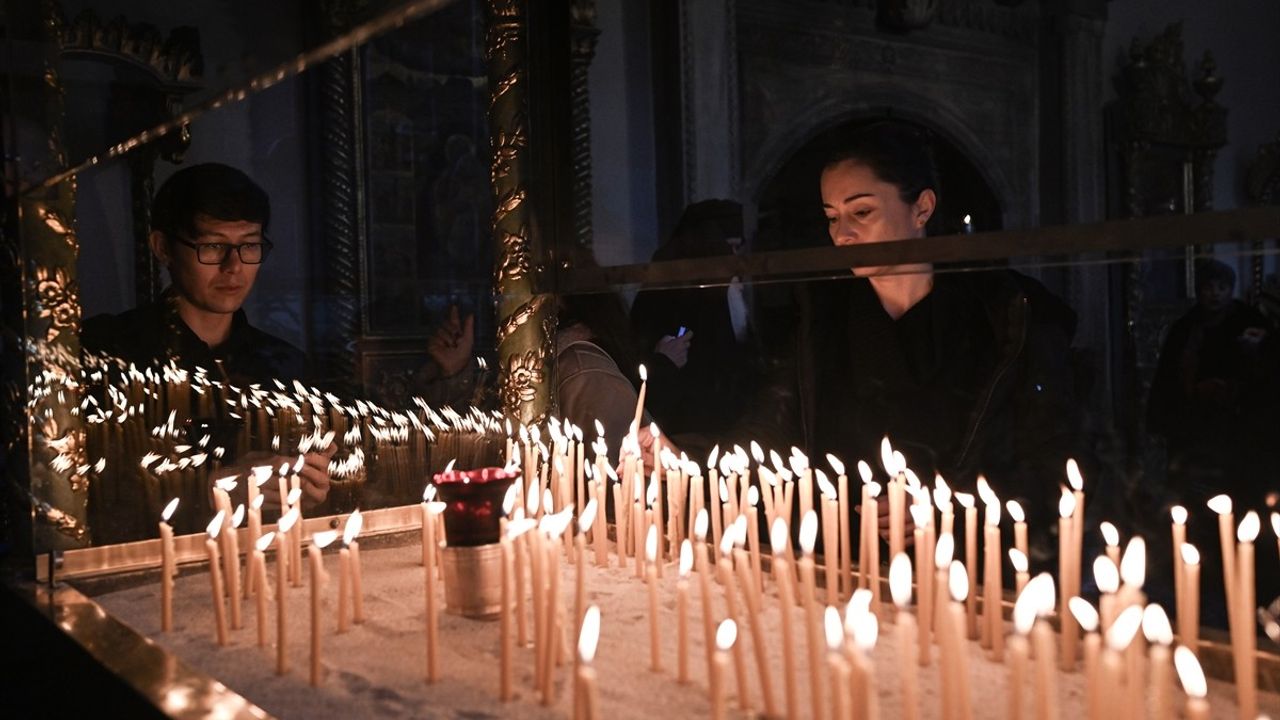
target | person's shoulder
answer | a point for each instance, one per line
(581, 355)
(1003, 289)
(119, 332)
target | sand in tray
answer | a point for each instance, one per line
(376, 669)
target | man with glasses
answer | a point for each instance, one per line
(208, 228)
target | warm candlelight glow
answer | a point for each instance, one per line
(1085, 613)
(832, 460)
(1025, 609)
(644, 373)
(900, 580)
(700, 525)
(237, 517)
(257, 502)
(1190, 674)
(226, 484)
(1190, 555)
(169, 510)
(265, 541)
(966, 501)
(1133, 564)
(590, 634)
(287, 521)
(873, 489)
(834, 628)
(1018, 559)
(509, 500)
(1110, 535)
(354, 523)
(1105, 574)
(808, 532)
(215, 525)
(1074, 478)
(261, 474)
(1249, 527)
(1275, 524)
(1124, 627)
(777, 533)
(887, 459)
(1220, 504)
(944, 550)
(1066, 504)
(1155, 625)
(323, 539)
(429, 493)
(864, 472)
(1016, 512)
(866, 630)
(294, 496)
(651, 544)
(958, 583)
(1179, 515)
(985, 493)
(726, 634)
(824, 485)
(686, 557)
(993, 513)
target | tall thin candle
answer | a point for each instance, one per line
(168, 566)
(808, 534)
(284, 545)
(900, 592)
(726, 637)
(319, 577)
(215, 578)
(1192, 678)
(1087, 617)
(258, 569)
(587, 642)
(1189, 608)
(682, 612)
(778, 537)
(431, 513)
(1247, 638)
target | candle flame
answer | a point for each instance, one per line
(1190, 674)
(1025, 610)
(1016, 513)
(985, 493)
(449, 465)
(354, 523)
(1249, 527)
(753, 496)
(778, 536)
(257, 502)
(873, 489)
(590, 635)
(1110, 535)
(900, 461)
(824, 485)
(941, 494)
(921, 514)
(834, 628)
(289, 520)
(516, 528)
(226, 484)
(323, 539)
(548, 500)
(1105, 574)
(886, 457)
(866, 631)
(993, 513)
(261, 474)
(215, 525)
(588, 517)
(264, 541)
(726, 635)
(644, 373)
(509, 500)
(1155, 625)
(651, 544)
(294, 496)
(835, 464)
(237, 517)
(1085, 613)
(1179, 515)
(1074, 478)
(169, 510)
(1066, 504)
(966, 500)
(1124, 627)
(686, 557)
(1220, 504)
(959, 581)
(1190, 555)
(864, 471)
(1133, 564)
(1018, 559)
(944, 550)
(900, 580)
(808, 532)
(728, 539)
(1275, 524)
(700, 525)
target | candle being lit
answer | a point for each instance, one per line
(168, 566)
(1193, 682)
(644, 388)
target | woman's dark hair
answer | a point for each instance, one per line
(213, 189)
(899, 154)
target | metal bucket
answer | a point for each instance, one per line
(473, 580)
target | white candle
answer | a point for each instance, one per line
(837, 666)
(168, 566)
(651, 578)
(778, 537)
(970, 562)
(1189, 611)
(354, 524)
(1247, 638)
(1087, 617)
(1066, 562)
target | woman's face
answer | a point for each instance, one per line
(862, 208)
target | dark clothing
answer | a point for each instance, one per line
(975, 378)
(155, 333)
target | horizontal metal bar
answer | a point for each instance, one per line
(1167, 231)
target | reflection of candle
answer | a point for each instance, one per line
(587, 641)
(168, 566)
(318, 579)
(284, 545)
(215, 578)
(1192, 678)
(900, 592)
(726, 636)
(258, 570)
(782, 575)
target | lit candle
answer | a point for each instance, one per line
(942, 501)
(345, 581)
(725, 569)
(846, 543)
(1178, 514)
(215, 578)
(751, 594)
(865, 631)
(168, 566)
(864, 545)
(1042, 639)
(900, 592)
(808, 535)
(255, 532)
(295, 502)
(258, 570)
(682, 612)
(428, 496)
(837, 666)
(1112, 671)
(953, 613)
(1106, 576)
(513, 531)
(1025, 609)
(651, 578)
(1192, 678)
(1087, 618)
(1066, 562)
(587, 693)
(871, 541)
(970, 562)
(1189, 610)
(1221, 504)
(585, 523)
(991, 609)
(1019, 518)
(1020, 573)
(753, 538)
(354, 524)
(924, 582)
(1076, 480)
(1247, 638)
(704, 584)
(830, 537)
(319, 577)
(1155, 626)
(644, 388)
(431, 512)
(778, 537)
(283, 547)
(1111, 538)
(231, 563)
(726, 636)
(897, 517)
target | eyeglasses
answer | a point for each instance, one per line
(216, 253)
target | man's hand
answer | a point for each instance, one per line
(452, 343)
(675, 348)
(313, 478)
(645, 439)
(882, 520)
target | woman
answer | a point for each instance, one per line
(966, 373)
